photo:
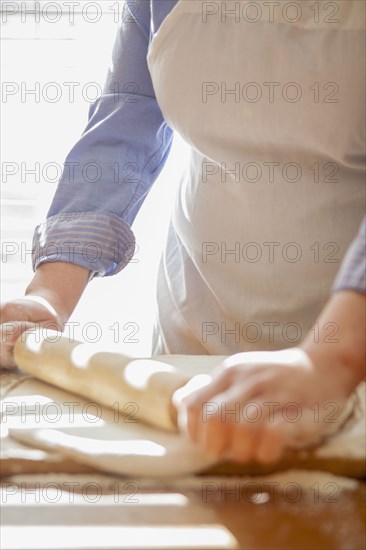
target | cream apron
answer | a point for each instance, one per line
(271, 102)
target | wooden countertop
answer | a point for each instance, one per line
(52, 510)
(97, 512)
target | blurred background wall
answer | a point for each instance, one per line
(43, 46)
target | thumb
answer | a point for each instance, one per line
(9, 333)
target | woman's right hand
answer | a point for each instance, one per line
(49, 302)
(17, 316)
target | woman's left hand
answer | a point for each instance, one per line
(258, 403)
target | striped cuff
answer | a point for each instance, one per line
(102, 243)
(352, 274)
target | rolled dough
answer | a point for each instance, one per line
(100, 430)
(53, 420)
(110, 377)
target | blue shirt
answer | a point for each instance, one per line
(110, 170)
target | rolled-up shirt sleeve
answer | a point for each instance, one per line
(352, 275)
(110, 170)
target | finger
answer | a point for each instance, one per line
(234, 423)
(280, 434)
(222, 398)
(198, 414)
(243, 443)
(215, 435)
(9, 333)
(204, 393)
(198, 405)
(11, 330)
(193, 385)
(246, 416)
(204, 405)
(214, 428)
(271, 443)
(6, 357)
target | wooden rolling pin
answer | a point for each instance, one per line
(140, 388)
